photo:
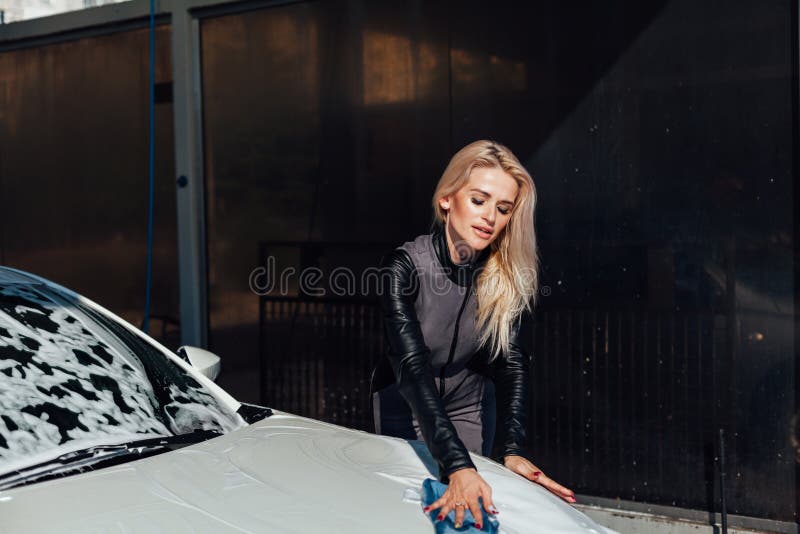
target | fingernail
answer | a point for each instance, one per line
(458, 525)
(537, 473)
(426, 509)
(572, 499)
(439, 517)
(478, 526)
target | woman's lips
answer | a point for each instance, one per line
(482, 232)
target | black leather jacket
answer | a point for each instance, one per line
(409, 359)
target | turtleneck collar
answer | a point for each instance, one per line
(462, 274)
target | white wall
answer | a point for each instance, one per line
(15, 10)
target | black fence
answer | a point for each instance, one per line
(317, 356)
(622, 401)
(317, 352)
(625, 403)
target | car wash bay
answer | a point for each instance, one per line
(309, 135)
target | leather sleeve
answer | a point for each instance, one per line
(511, 376)
(410, 360)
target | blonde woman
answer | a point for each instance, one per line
(456, 308)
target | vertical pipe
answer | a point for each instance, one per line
(557, 371)
(312, 324)
(606, 353)
(363, 369)
(582, 392)
(634, 397)
(659, 402)
(534, 406)
(570, 404)
(262, 301)
(190, 192)
(545, 378)
(619, 395)
(723, 509)
(685, 411)
(646, 401)
(593, 453)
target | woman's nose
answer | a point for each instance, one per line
(490, 215)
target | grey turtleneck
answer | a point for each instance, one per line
(445, 307)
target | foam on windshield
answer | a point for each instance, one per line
(63, 386)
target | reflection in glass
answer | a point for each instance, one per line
(395, 71)
(261, 102)
(74, 171)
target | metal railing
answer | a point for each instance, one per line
(622, 401)
(625, 403)
(317, 356)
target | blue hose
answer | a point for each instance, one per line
(148, 282)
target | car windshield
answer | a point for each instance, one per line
(71, 377)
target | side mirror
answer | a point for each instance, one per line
(206, 362)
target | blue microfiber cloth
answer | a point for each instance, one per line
(432, 490)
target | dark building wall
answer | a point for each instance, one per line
(660, 136)
(74, 170)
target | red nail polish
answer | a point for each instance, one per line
(478, 526)
(439, 517)
(426, 509)
(537, 473)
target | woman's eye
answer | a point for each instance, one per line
(477, 201)
(504, 211)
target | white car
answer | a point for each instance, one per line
(102, 429)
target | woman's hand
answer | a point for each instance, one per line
(523, 467)
(466, 485)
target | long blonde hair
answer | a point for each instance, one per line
(509, 282)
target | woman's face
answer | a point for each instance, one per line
(479, 211)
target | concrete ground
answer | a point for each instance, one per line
(638, 518)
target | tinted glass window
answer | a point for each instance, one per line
(74, 159)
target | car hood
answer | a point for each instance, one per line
(283, 474)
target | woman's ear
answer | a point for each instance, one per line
(444, 203)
